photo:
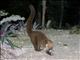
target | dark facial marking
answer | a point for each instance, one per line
(49, 52)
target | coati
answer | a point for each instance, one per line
(38, 39)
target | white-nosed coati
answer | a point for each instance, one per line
(38, 39)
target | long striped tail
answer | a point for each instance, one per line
(30, 19)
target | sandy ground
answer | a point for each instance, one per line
(66, 47)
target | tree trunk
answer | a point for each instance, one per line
(0, 51)
(43, 12)
(62, 10)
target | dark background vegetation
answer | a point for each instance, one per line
(71, 12)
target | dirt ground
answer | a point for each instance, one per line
(66, 47)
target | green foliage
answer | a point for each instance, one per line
(11, 44)
(75, 30)
(4, 39)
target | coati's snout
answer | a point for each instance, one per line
(50, 51)
(49, 47)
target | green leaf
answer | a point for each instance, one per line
(2, 39)
(11, 44)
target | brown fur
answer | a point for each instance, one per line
(38, 39)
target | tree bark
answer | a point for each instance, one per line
(0, 51)
(62, 10)
(43, 12)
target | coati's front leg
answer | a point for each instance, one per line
(36, 45)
